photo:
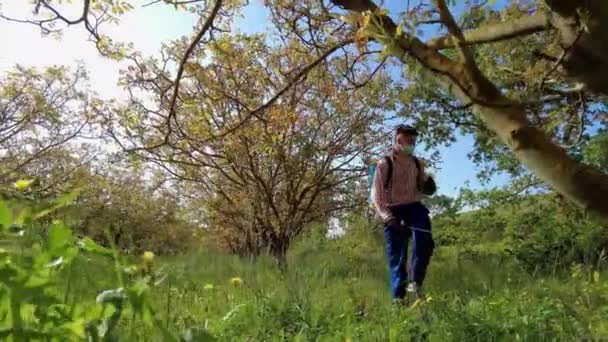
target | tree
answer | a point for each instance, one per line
(449, 62)
(441, 205)
(263, 169)
(574, 29)
(40, 113)
(596, 152)
(137, 217)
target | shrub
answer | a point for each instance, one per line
(548, 235)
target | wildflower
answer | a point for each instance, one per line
(236, 281)
(148, 257)
(23, 184)
(130, 270)
(208, 287)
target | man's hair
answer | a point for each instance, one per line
(405, 129)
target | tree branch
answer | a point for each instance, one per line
(456, 32)
(280, 93)
(497, 32)
(180, 71)
(169, 2)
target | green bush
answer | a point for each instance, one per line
(548, 235)
(38, 281)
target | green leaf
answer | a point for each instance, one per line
(39, 278)
(6, 217)
(59, 203)
(75, 328)
(91, 246)
(24, 216)
(69, 254)
(59, 236)
(66, 199)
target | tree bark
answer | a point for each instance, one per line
(278, 249)
(585, 186)
(583, 31)
(497, 32)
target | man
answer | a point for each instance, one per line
(396, 197)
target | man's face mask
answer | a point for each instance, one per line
(408, 149)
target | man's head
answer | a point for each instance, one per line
(405, 138)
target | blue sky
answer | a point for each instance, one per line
(147, 28)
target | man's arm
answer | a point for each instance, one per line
(379, 195)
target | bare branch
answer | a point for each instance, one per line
(58, 16)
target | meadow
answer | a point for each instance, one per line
(63, 288)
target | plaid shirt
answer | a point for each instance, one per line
(403, 187)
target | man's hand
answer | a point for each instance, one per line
(393, 222)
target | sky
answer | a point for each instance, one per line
(147, 27)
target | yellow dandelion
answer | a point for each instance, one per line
(236, 281)
(208, 287)
(23, 184)
(148, 257)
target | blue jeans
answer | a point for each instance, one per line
(417, 224)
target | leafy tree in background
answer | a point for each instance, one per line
(42, 111)
(596, 152)
(518, 74)
(260, 179)
(565, 39)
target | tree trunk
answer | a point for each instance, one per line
(278, 249)
(583, 31)
(585, 186)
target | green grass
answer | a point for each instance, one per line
(328, 295)
(336, 290)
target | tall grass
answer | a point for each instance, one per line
(55, 286)
(328, 296)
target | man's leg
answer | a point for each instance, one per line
(396, 251)
(422, 247)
